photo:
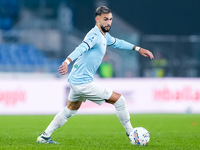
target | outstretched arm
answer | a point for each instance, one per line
(121, 44)
(144, 52)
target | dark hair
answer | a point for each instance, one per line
(102, 10)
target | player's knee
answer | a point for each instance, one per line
(120, 104)
(74, 105)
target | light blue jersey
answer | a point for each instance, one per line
(89, 55)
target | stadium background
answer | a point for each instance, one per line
(37, 35)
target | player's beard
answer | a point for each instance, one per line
(104, 28)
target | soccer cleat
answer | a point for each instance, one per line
(127, 135)
(48, 140)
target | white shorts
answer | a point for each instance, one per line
(91, 91)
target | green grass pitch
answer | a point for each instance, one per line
(101, 132)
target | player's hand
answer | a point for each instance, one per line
(146, 53)
(63, 68)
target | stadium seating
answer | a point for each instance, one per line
(25, 58)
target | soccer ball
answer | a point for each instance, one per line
(139, 136)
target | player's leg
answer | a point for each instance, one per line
(59, 120)
(99, 94)
(122, 112)
(62, 117)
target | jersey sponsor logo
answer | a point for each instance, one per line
(75, 66)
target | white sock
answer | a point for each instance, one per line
(123, 114)
(59, 120)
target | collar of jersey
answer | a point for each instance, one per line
(100, 31)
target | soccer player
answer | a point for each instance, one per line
(88, 56)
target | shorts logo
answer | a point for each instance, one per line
(105, 92)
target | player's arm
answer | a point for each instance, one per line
(121, 44)
(89, 41)
(64, 67)
(143, 52)
(82, 48)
